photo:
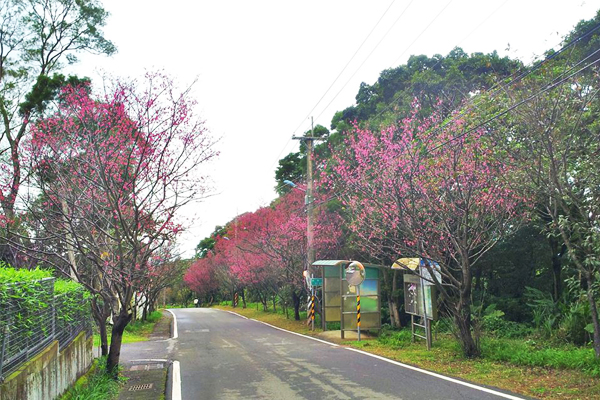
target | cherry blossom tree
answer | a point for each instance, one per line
(265, 250)
(202, 277)
(113, 171)
(417, 190)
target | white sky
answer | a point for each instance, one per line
(263, 65)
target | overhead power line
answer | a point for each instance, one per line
(366, 58)
(520, 103)
(346, 66)
(338, 76)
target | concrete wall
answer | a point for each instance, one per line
(50, 373)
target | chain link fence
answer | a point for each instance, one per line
(31, 319)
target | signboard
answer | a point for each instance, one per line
(413, 298)
(316, 281)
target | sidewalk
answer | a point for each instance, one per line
(146, 364)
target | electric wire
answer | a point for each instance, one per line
(518, 104)
(335, 80)
(422, 32)
(346, 66)
(366, 59)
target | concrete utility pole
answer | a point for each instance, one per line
(308, 201)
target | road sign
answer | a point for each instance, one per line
(316, 281)
(355, 273)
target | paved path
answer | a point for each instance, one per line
(225, 356)
(145, 364)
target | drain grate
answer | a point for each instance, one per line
(144, 386)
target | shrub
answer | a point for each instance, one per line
(26, 298)
(572, 327)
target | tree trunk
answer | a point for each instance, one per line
(100, 315)
(594, 312)
(462, 319)
(116, 338)
(393, 302)
(103, 338)
(244, 297)
(274, 303)
(263, 301)
(296, 301)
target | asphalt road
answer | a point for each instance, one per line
(225, 356)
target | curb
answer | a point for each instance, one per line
(174, 333)
(169, 385)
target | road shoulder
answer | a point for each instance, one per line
(146, 365)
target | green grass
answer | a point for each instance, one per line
(137, 331)
(95, 385)
(529, 353)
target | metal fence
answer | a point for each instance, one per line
(30, 323)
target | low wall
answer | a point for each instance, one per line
(48, 374)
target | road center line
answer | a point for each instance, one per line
(175, 335)
(446, 378)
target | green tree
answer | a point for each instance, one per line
(293, 166)
(36, 38)
(208, 243)
(554, 135)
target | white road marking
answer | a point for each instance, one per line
(175, 335)
(234, 313)
(176, 390)
(284, 330)
(446, 378)
(298, 334)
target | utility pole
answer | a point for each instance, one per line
(308, 201)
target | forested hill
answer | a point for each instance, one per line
(447, 80)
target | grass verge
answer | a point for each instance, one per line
(95, 385)
(510, 364)
(137, 331)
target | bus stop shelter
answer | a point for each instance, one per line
(338, 301)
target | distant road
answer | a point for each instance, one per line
(225, 356)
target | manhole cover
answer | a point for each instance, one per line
(144, 386)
